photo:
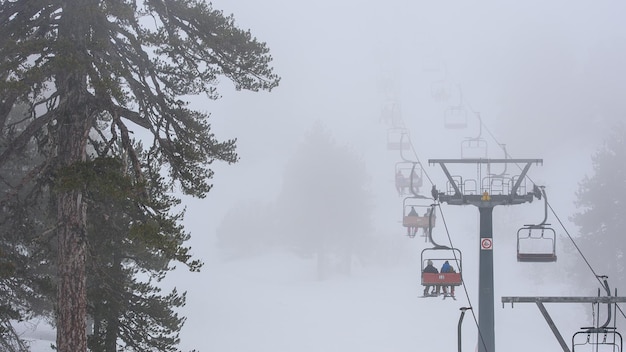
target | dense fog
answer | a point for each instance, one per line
(316, 176)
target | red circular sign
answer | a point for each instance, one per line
(486, 243)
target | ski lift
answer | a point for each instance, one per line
(408, 178)
(391, 113)
(466, 186)
(496, 184)
(600, 338)
(455, 117)
(537, 243)
(418, 213)
(398, 139)
(605, 339)
(440, 90)
(437, 256)
(474, 148)
(543, 248)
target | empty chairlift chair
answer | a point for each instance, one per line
(537, 243)
(598, 339)
(398, 139)
(455, 117)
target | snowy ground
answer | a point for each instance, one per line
(274, 303)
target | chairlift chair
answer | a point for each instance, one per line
(466, 186)
(440, 90)
(537, 243)
(438, 256)
(398, 139)
(455, 117)
(417, 213)
(391, 113)
(408, 178)
(602, 339)
(522, 186)
(496, 184)
(474, 148)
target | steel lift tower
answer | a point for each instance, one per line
(486, 191)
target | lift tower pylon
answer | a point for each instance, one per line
(485, 192)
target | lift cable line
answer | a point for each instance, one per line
(436, 204)
(399, 123)
(598, 277)
(417, 160)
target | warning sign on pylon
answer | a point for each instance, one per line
(486, 244)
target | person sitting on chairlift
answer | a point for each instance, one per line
(400, 182)
(412, 212)
(451, 286)
(445, 268)
(430, 269)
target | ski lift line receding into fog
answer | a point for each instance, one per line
(431, 223)
(399, 139)
(430, 215)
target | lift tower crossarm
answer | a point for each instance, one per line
(548, 299)
(541, 300)
(458, 198)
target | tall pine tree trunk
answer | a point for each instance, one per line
(73, 125)
(71, 299)
(71, 216)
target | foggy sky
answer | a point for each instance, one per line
(547, 78)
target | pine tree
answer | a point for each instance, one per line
(79, 62)
(130, 239)
(26, 280)
(601, 200)
(324, 204)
